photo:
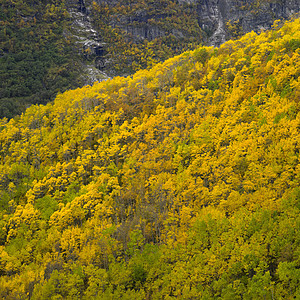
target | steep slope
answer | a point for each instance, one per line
(179, 181)
(86, 41)
(48, 47)
(36, 59)
(139, 33)
(225, 19)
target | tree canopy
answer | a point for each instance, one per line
(180, 181)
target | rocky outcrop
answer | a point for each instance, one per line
(219, 20)
(216, 16)
(87, 41)
(213, 18)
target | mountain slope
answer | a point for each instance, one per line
(137, 34)
(36, 59)
(48, 47)
(179, 181)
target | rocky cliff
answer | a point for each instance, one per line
(225, 19)
(50, 46)
(189, 22)
(87, 41)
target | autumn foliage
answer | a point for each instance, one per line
(181, 181)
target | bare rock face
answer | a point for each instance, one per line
(219, 20)
(87, 41)
(211, 20)
(223, 19)
(213, 17)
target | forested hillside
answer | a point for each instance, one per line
(181, 181)
(47, 47)
(36, 60)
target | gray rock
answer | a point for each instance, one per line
(212, 17)
(87, 41)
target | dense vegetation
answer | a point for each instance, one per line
(42, 49)
(179, 181)
(36, 59)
